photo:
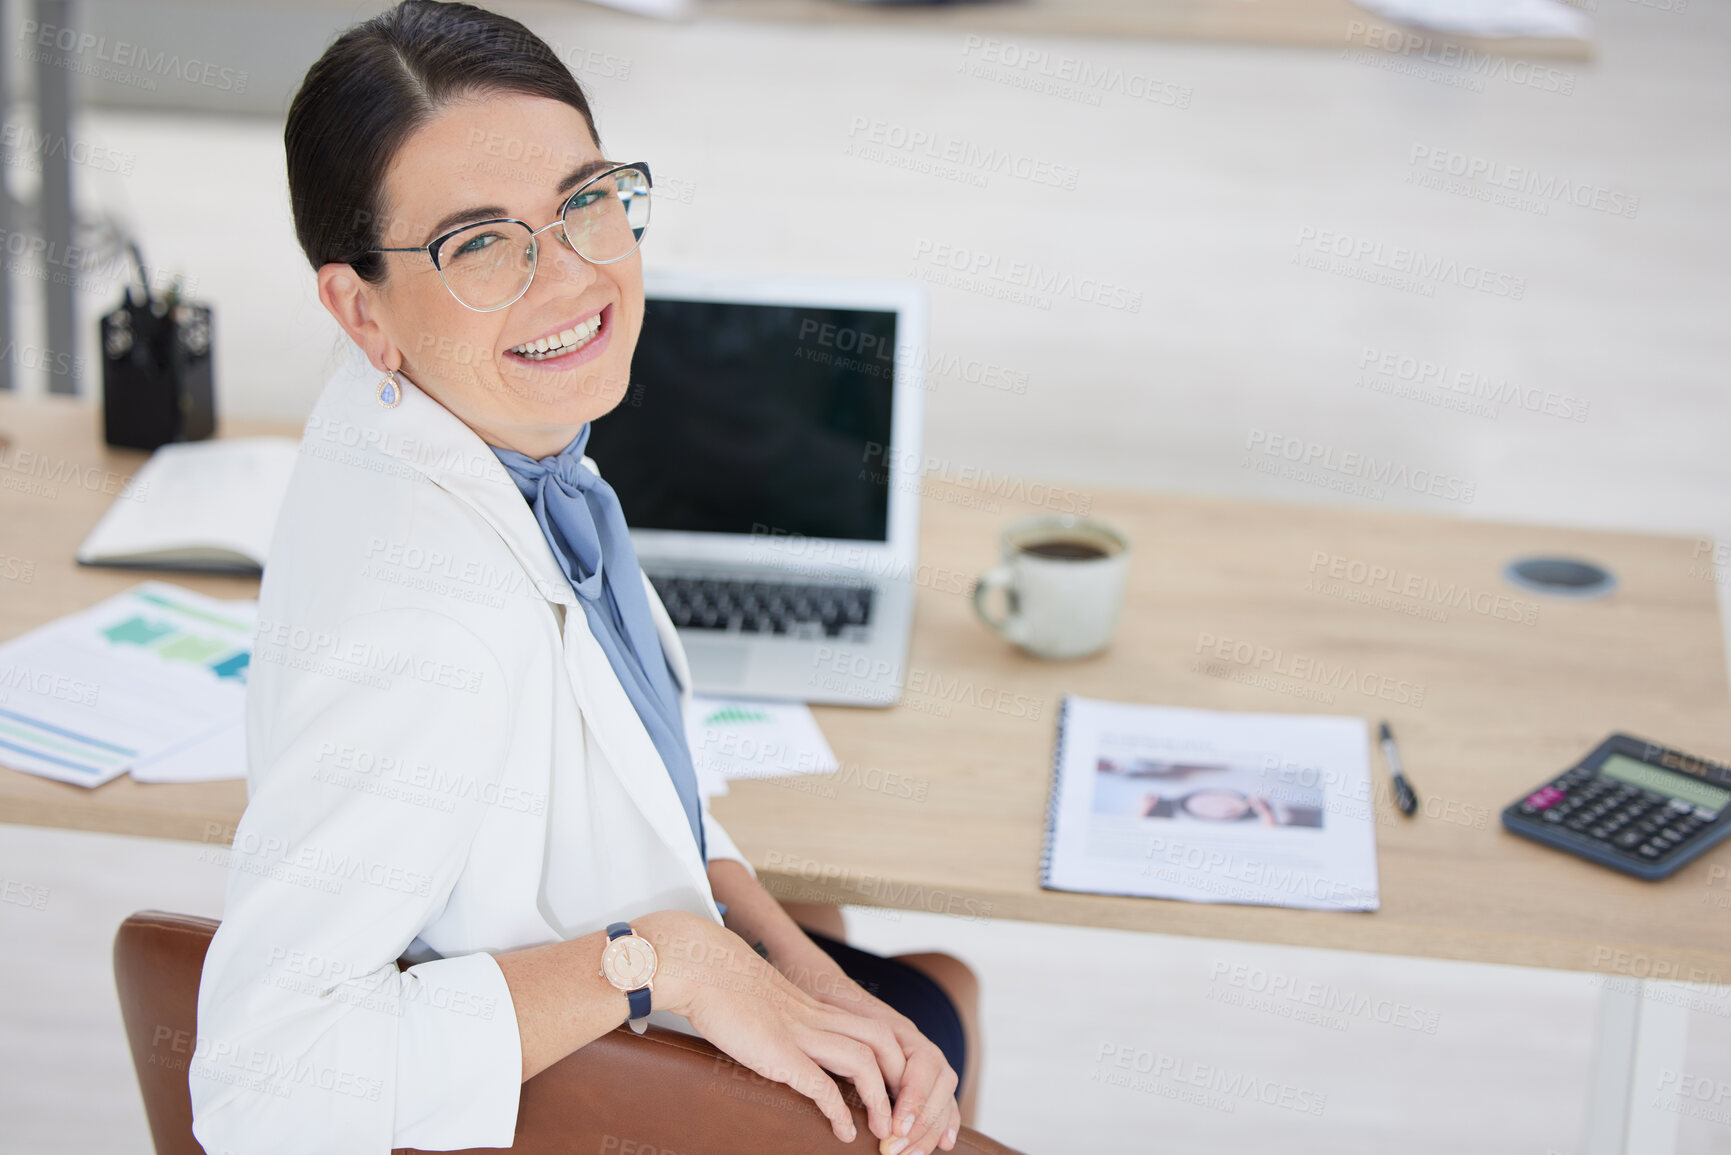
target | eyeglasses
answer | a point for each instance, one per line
(488, 265)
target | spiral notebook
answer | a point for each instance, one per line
(1211, 806)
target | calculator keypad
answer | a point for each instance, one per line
(1636, 822)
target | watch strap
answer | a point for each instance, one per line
(640, 999)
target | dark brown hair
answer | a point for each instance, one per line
(374, 87)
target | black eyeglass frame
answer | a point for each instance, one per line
(431, 248)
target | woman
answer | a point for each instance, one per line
(463, 719)
(1224, 805)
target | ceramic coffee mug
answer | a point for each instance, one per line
(1063, 581)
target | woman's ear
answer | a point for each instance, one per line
(350, 300)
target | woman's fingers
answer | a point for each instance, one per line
(852, 1060)
(935, 1120)
(885, 1047)
(926, 1117)
(924, 1109)
(777, 1028)
(799, 1072)
(925, 1066)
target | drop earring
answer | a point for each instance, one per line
(390, 389)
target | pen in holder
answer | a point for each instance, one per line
(157, 379)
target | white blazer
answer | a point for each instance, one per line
(440, 763)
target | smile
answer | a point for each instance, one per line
(560, 343)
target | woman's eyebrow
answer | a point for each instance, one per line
(463, 216)
(488, 212)
(582, 173)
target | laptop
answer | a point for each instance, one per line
(767, 459)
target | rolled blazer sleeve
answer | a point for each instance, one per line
(309, 1038)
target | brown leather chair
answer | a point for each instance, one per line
(661, 1093)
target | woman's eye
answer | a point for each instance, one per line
(476, 243)
(584, 199)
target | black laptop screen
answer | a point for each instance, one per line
(743, 416)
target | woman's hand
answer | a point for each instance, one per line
(752, 1012)
(927, 1117)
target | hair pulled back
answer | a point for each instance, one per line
(373, 88)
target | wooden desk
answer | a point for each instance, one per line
(940, 801)
(1504, 705)
(57, 478)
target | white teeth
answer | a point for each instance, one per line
(564, 342)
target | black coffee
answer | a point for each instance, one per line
(1065, 549)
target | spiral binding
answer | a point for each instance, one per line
(1052, 794)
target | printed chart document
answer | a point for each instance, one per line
(1211, 806)
(131, 679)
(752, 738)
(207, 758)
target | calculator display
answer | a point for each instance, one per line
(1672, 785)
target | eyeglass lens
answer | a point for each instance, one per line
(489, 266)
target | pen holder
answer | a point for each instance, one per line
(157, 374)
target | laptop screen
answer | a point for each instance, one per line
(743, 415)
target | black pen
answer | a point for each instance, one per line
(1404, 797)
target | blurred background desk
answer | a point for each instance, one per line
(940, 801)
(1318, 23)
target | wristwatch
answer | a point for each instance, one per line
(628, 962)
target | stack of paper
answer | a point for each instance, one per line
(1488, 18)
(152, 680)
(750, 738)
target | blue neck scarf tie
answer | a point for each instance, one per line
(579, 514)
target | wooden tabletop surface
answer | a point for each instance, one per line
(939, 804)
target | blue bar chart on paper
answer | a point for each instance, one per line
(152, 680)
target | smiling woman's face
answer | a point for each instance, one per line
(497, 155)
(1217, 805)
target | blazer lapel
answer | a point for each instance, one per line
(630, 752)
(427, 438)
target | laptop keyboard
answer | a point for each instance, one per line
(765, 607)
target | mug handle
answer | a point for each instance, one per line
(1004, 578)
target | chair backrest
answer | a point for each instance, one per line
(158, 958)
(622, 1093)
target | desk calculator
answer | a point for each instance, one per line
(1632, 806)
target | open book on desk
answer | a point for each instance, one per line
(197, 506)
(1211, 806)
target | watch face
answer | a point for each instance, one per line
(628, 962)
